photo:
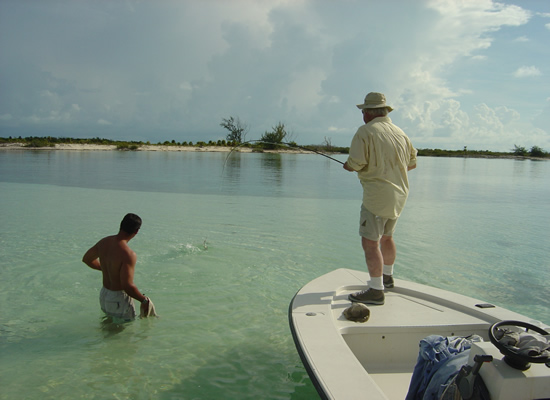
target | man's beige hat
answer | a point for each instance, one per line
(374, 100)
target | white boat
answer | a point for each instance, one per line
(375, 359)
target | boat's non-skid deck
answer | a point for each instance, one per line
(405, 308)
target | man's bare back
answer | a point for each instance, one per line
(117, 261)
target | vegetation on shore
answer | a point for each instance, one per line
(277, 138)
(266, 143)
(270, 140)
(516, 152)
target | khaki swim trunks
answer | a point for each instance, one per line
(117, 303)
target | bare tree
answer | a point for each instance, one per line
(237, 129)
(328, 144)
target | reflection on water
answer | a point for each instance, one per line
(231, 172)
(272, 169)
(243, 174)
(538, 169)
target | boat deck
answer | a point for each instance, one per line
(384, 349)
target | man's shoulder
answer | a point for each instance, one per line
(128, 252)
(388, 123)
(105, 240)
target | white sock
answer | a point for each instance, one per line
(376, 283)
(388, 269)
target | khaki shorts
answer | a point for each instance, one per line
(372, 227)
(117, 304)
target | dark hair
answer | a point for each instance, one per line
(130, 224)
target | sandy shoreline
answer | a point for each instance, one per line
(102, 147)
(217, 149)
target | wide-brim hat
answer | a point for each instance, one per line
(374, 100)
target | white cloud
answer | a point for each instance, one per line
(335, 129)
(525, 72)
(103, 122)
(521, 39)
(186, 86)
(484, 127)
(507, 115)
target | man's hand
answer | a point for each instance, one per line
(144, 308)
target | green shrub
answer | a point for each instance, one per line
(519, 150)
(536, 151)
(273, 139)
(127, 147)
(39, 142)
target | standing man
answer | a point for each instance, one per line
(112, 256)
(382, 155)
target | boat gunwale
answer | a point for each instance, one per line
(312, 376)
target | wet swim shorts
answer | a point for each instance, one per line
(117, 303)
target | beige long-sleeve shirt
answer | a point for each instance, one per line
(381, 153)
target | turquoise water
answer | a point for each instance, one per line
(223, 248)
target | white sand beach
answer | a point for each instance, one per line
(100, 147)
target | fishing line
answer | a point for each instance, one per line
(275, 144)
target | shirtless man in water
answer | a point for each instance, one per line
(112, 256)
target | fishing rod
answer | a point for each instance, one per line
(285, 143)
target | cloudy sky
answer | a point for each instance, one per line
(458, 73)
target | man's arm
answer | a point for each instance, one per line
(91, 258)
(412, 160)
(348, 168)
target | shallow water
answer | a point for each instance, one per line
(221, 253)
